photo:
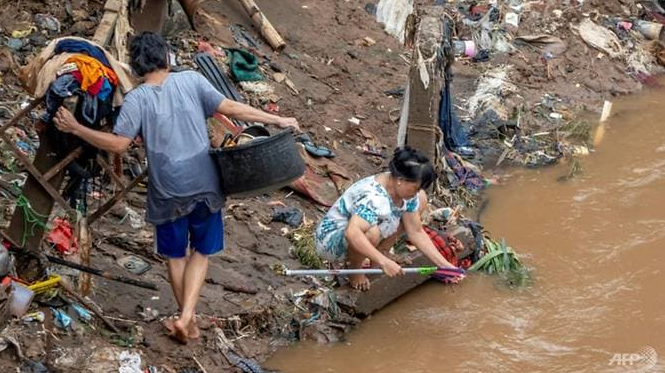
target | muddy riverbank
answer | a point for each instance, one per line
(338, 75)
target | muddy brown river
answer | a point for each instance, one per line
(596, 248)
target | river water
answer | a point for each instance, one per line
(596, 248)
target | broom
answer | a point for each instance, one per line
(441, 274)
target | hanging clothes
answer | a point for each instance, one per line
(106, 90)
(36, 77)
(81, 47)
(91, 71)
(63, 87)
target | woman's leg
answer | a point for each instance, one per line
(356, 260)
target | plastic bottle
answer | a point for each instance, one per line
(464, 48)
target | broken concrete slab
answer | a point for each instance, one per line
(383, 289)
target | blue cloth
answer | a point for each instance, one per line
(64, 86)
(171, 119)
(106, 90)
(80, 46)
(201, 230)
(453, 133)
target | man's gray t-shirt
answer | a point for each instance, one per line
(171, 119)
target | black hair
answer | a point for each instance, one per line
(147, 53)
(412, 165)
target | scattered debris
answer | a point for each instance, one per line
(289, 215)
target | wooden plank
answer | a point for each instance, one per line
(40, 200)
(117, 197)
(105, 29)
(63, 163)
(109, 170)
(33, 104)
(424, 100)
(38, 175)
(113, 5)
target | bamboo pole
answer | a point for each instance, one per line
(265, 27)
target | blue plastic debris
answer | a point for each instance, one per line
(82, 313)
(61, 319)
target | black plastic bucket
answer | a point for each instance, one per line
(260, 166)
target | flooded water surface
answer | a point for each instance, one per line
(596, 247)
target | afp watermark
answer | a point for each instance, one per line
(644, 360)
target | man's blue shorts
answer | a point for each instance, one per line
(201, 230)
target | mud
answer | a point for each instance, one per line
(338, 77)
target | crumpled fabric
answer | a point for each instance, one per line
(81, 46)
(244, 65)
(289, 215)
(64, 86)
(36, 77)
(324, 190)
(464, 175)
(62, 237)
(454, 135)
(130, 362)
(91, 71)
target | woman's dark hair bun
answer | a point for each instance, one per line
(412, 165)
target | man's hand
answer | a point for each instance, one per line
(65, 121)
(289, 122)
(390, 268)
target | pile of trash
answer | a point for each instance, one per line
(541, 65)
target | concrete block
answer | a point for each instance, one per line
(383, 289)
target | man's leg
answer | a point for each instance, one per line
(172, 242)
(206, 236)
(194, 277)
(176, 267)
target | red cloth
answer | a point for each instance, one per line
(444, 249)
(62, 237)
(92, 89)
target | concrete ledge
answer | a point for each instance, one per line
(383, 289)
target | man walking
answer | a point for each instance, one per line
(168, 111)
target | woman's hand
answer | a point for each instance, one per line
(390, 268)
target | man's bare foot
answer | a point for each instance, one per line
(180, 332)
(359, 282)
(168, 324)
(194, 331)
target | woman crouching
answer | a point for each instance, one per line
(371, 215)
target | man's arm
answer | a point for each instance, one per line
(247, 113)
(66, 122)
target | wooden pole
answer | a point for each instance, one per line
(84, 238)
(264, 26)
(117, 197)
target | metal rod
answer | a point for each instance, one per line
(101, 273)
(360, 271)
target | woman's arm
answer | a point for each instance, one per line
(413, 226)
(356, 237)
